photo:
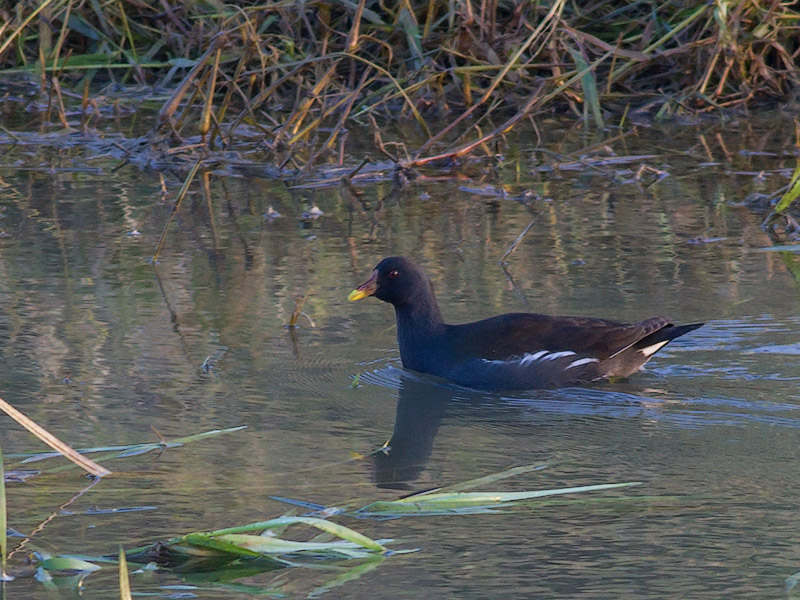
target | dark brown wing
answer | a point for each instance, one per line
(517, 334)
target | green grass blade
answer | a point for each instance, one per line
(591, 97)
(272, 545)
(409, 26)
(486, 480)
(206, 434)
(466, 500)
(68, 563)
(791, 265)
(792, 194)
(217, 544)
(339, 531)
(132, 449)
(387, 509)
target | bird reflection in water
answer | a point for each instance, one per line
(421, 405)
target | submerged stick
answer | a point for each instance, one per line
(513, 246)
(56, 444)
(58, 512)
(175, 207)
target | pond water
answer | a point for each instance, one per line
(101, 347)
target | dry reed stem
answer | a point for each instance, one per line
(205, 119)
(56, 444)
(171, 105)
(467, 148)
(546, 22)
(463, 59)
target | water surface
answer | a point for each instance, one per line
(99, 346)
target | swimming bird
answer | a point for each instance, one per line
(514, 350)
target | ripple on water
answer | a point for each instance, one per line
(677, 409)
(729, 334)
(733, 353)
(387, 373)
(776, 349)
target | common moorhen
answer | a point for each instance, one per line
(511, 351)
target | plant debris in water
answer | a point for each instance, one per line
(246, 550)
(288, 81)
(114, 452)
(457, 499)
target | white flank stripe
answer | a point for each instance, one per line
(556, 355)
(581, 361)
(539, 356)
(529, 358)
(650, 350)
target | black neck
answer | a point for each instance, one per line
(423, 314)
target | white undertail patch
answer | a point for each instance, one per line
(650, 350)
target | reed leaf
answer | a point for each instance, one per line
(68, 563)
(792, 193)
(440, 503)
(48, 438)
(339, 531)
(272, 545)
(133, 449)
(485, 480)
(591, 97)
(217, 544)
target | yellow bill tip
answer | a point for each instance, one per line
(369, 287)
(357, 295)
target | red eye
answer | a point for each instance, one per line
(393, 273)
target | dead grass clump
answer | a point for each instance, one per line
(294, 75)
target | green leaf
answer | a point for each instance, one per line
(486, 480)
(409, 25)
(793, 192)
(439, 502)
(134, 449)
(272, 545)
(591, 96)
(78, 24)
(68, 563)
(339, 531)
(206, 434)
(219, 545)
